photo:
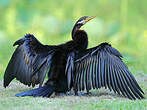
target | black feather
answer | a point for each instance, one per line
(99, 71)
(70, 65)
(45, 91)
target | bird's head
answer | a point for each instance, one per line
(83, 20)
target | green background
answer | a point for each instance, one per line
(122, 23)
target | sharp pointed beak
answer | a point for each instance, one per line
(89, 18)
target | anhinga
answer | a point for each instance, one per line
(70, 65)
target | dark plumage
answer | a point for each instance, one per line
(70, 65)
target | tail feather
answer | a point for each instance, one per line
(45, 91)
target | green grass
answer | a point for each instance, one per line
(99, 100)
(72, 103)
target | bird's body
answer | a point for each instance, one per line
(57, 73)
(70, 65)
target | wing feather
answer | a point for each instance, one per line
(86, 76)
(96, 68)
(103, 67)
(29, 63)
(108, 74)
(99, 71)
(93, 71)
(90, 73)
(79, 76)
(119, 82)
(114, 77)
(111, 75)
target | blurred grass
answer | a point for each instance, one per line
(99, 100)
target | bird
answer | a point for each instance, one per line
(70, 66)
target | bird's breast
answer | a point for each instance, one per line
(58, 64)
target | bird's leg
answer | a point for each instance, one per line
(84, 93)
(60, 94)
(75, 90)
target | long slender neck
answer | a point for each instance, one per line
(74, 30)
(80, 37)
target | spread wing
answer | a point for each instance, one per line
(69, 70)
(102, 66)
(30, 62)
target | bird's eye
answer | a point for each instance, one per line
(81, 22)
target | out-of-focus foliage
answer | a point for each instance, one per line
(123, 23)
